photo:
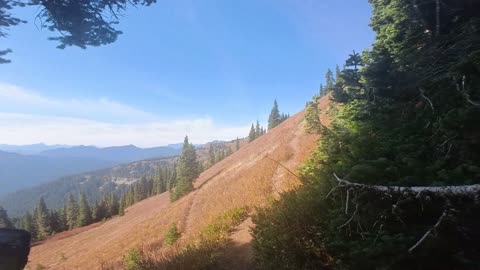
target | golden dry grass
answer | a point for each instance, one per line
(247, 178)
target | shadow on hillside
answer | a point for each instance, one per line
(237, 257)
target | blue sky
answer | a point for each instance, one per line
(207, 68)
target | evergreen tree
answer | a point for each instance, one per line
(337, 74)
(187, 170)
(274, 118)
(121, 205)
(251, 135)
(84, 212)
(72, 212)
(5, 221)
(42, 219)
(211, 155)
(26, 223)
(258, 132)
(329, 80)
(322, 90)
(237, 142)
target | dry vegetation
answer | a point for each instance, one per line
(247, 178)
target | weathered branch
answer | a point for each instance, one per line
(439, 221)
(460, 190)
(422, 94)
(351, 218)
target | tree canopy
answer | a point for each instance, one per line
(76, 23)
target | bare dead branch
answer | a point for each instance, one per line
(439, 221)
(460, 190)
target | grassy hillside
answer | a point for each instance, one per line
(248, 178)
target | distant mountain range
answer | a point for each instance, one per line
(119, 154)
(19, 171)
(30, 149)
(93, 183)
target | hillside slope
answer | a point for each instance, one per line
(94, 183)
(245, 179)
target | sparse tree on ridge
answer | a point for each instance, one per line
(42, 219)
(211, 154)
(237, 143)
(72, 212)
(187, 170)
(329, 80)
(274, 118)
(251, 135)
(85, 214)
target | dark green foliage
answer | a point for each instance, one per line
(329, 80)
(251, 134)
(172, 234)
(274, 118)
(72, 212)
(409, 118)
(5, 221)
(187, 170)
(84, 211)
(42, 220)
(81, 23)
(255, 132)
(312, 118)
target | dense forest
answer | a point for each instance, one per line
(392, 183)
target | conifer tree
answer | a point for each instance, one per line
(322, 90)
(5, 221)
(187, 170)
(257, 130)
(26, 223)
(237, 143)
(274, 118)
(42, 219)
(337, 74)
(72, 212)
(329, 80)
(121, 205)
(251, 135)
(84, 212)
(211, 155)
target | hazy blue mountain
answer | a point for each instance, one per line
(30, 149)
(94, 184)
(120, 154)
(21, 171)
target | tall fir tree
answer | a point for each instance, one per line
(26, 223)
(329, 80)
(251, 134)
(42, 218)
(274, 118)
(258, 131)
(337, 74)
(211, 155)
(5, 221)
(187, 170)
(121, 205)
(72, 212)
(322, 90)
(84, 212)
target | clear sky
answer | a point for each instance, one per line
(205, 68)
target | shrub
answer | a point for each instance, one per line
(133, 260)
(172, 234)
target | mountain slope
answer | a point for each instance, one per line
(31, 149)
(119, 154)
(93, 183)
(245, 179)
(20, 171)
